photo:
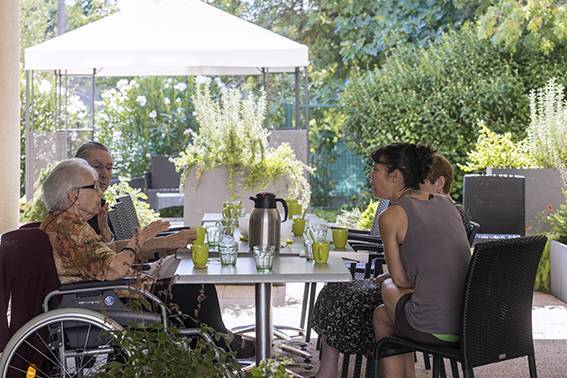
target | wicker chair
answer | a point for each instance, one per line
(497, 314)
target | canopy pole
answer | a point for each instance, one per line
(306, 100)
(66, 119)
(27, 131)
(266, 94)
(297, 99)
(93, 88)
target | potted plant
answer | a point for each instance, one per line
(558, 251)
(229, 157)
(541, 157)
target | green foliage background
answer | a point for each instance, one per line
(145, 116)
(437, 95)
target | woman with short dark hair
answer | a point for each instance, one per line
(343, 314)
(426, 251)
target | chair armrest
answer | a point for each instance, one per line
(367, 247)
(365, 238)
(359, 232)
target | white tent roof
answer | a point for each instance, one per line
(171, 37)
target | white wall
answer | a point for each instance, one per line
(9, 114)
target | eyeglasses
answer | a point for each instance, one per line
(94, 186)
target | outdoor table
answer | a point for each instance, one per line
(285, 269)
(297, 247)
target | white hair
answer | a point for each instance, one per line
(65, 177)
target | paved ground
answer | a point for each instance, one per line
(549, 328)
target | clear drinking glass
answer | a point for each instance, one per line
(308, 249)
(228, 249)
(264, 256)
(214, 234)
(320, 231)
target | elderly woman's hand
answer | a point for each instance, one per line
(102, 217)
(179, 239)
(147, 233)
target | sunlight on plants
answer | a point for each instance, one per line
(231, 135)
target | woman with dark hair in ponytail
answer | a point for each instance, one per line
(427, 254)
(424, 241)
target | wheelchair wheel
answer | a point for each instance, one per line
(68, 342)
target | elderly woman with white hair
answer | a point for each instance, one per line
(71, 193)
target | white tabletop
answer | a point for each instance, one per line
(296, 248)
(213, 217)
(285, 269)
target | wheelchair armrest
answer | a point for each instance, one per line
(97, 288)
(96, 285)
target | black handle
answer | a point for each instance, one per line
(284, 204)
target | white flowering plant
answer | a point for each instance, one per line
(547, 132)
(231, 135)
(146, 116)
(545, 145)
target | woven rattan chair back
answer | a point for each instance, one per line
(497, 317)
(382, 205)
(123, 218)
(130, 210)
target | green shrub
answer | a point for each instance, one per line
(496, 150)
(155, 352)
(367, 217)
(145, 116)
(542, 281)
(437, 95)
(356, 219)
(558, 220)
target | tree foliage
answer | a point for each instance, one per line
(526, 26)
(437, 95)
(143, 117)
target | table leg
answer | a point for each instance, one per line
(310, 310)
(263, 309)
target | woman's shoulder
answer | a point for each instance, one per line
(392, 215)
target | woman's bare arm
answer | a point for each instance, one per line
(392, 231)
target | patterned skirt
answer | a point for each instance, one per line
(343, 314)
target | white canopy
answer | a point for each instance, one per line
(172, 37)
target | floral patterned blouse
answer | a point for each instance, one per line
(79, 253)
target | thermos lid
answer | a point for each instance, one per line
(264, 200)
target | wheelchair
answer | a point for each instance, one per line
(78, 334)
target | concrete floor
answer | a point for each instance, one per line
(549, 329)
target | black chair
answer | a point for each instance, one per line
(125, 220)
(497, 312)
(163, 179)
(497, 203)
